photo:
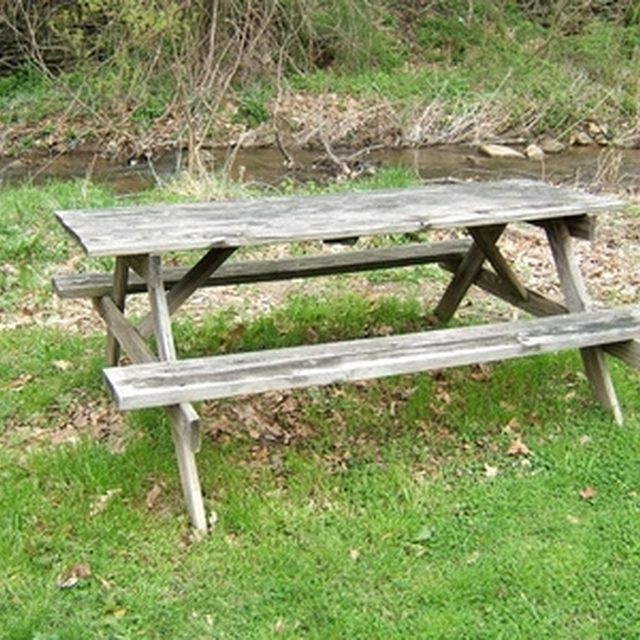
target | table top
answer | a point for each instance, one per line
(235, 223)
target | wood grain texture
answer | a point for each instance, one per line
(540, 306)
(192, 280)
(593, 358)
(163, 383)
(119, 293)
(464, 276)
(96, 285)
(183, 415)
(483, 238)
(159, 228)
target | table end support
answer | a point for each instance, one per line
(572, 285)
(189, 478)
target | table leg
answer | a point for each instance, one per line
(576, 300)
(192, 280)
(120, 280)
(149, 267)
(465, 275)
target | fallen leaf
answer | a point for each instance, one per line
(588, 493)
(585, 439)
(153, 495)
(518, 448)
(119, 613)
(73, 576)
(354, 554)
(572, 520)
(278, 627)
(480, 373)
(490, 471)
(511, 426)
(62, 365)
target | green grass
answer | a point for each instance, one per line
(380, 523)
(351, 511)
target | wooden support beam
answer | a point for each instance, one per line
(167, 353)
(464, 276)
(190, 282)
(120, 280)
(576, 299)
(182, 414)
(540, 306)
(483, 238)
(96, 285)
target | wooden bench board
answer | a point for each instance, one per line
(160, 228)
(164, 383)
(96, 285)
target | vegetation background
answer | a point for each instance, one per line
(132, 76)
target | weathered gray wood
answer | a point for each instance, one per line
(96, 285)
(188, 470)
(464, 276)
(160, 228)
(162, 383)
(139, 264)
(120, 278)
(182, 439)
(582, 227)
(539, 305)
(159, 307)
(576, 298)
(192, 280)
(483, 238)
(183, 414)
(628, 352)
(149, 267)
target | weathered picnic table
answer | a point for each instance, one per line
(138, 237)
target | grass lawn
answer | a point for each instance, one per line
(495, 502)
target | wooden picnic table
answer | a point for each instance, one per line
(138, 237)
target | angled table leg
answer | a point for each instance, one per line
(120, 280)
(576, 300)
(149, 267)
(192, 280)
(465, 275)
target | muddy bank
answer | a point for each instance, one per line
(581, 165)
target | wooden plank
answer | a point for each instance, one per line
(162, 383)
(580, 227)
(96, 285)
(159, 309)
(182, 439)
(483, 238)
(189, 479)
(576, 299)
(464, 276)
(192, 280)
(120, 278)
(183, 414)
(540, 306)
(159, 228)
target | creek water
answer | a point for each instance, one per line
(581, 165)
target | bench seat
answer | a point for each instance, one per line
(166, 383)
(96, 285)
